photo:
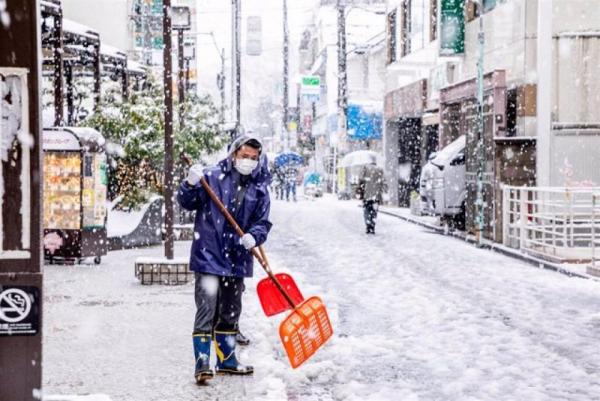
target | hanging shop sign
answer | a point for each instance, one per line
(310, 87)
(452, 27)
(254, 36)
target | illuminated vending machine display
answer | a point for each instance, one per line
(75, 184)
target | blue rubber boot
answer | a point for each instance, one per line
(227, 362)
(203, 372)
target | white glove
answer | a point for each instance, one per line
(248, 241)
(194, 174)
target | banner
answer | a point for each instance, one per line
(452, 27)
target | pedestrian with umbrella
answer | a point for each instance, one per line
(371, 186)
(219, 257)
(289, 163)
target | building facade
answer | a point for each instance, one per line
(365, 71)
(431, 95)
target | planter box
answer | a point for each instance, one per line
(162, 271)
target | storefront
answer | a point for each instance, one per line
(403, 112)
(507, 160)
(75, 185)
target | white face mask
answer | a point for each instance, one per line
(245, 166)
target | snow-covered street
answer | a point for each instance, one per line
(416, 315)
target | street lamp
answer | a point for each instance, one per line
(181, 21)
(480, 128)
(189, 54)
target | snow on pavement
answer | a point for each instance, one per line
(416, 315)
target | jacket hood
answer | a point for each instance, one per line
(261, 174)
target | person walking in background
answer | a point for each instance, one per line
(291, 177)
(279, 182)
(371, 185)
(220, 259)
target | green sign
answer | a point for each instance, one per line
(311, 81)
(452, 27)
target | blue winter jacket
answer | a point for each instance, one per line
(216, 248)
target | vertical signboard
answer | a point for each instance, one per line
(20, 202)
(310, 88)
(452, 27)
(254, 36)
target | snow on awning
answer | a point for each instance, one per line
(79, 29)
(111, 51)
(50, 7)
(135, 68)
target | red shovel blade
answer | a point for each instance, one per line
(270, 297)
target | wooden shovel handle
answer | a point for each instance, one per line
(259, 253)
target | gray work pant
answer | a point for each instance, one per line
(218, 303)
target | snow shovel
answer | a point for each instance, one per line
(271, 299)
(308, 327)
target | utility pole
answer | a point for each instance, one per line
(181, 76)
(480, 219)
(342, 86)
(544, 93)
(236, 62)
(221, 84)
(21, 218)
(168, 167)
(286, 57)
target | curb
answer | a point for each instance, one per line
(498, 248)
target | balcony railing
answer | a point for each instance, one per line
(557, 224)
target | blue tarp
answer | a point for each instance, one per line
(362, 124)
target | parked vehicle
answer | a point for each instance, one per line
(443, 185)
(313, 184)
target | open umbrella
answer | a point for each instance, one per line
(359, 158)
(287, 158)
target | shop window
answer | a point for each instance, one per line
(473, 10)
(415, 25)
(511, 112)
(488, 5)
(433, 20)
(392, 27)
(405, 30)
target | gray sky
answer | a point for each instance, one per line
(261, 75)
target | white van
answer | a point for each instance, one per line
(443, 187)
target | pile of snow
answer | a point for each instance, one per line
(120, 223)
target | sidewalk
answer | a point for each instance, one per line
(434, 224)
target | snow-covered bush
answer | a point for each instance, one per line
(137, 126)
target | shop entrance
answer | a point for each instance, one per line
(409, 158)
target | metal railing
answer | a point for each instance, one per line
(557, 224)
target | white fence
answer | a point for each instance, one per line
(557, 224)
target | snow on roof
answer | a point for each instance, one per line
(79, 29)
(361, 24)
(112, 51)
(369, 106)
(50, 4)
(134, 66)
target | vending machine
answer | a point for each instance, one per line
(75, 184)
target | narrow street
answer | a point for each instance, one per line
(417, 316)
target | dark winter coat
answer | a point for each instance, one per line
(216, 248)
(372, 183)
